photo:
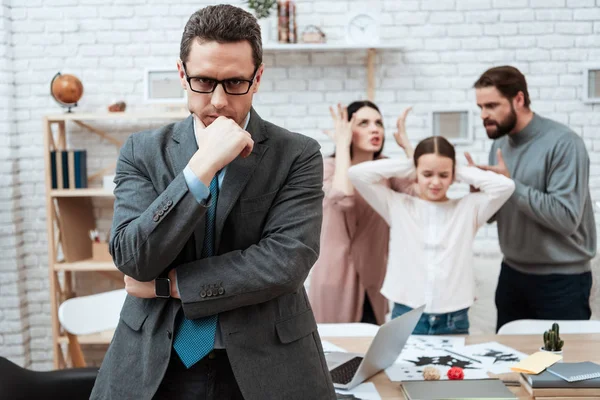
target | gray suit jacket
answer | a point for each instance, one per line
(268, 225)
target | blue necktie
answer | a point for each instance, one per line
(196, 337)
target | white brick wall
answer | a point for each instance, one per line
(14, 313)
(445, 44)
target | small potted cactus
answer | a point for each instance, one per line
(552, 340)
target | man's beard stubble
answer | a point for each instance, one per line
(503, 127)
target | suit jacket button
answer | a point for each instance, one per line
(209, 293)
(169, 334)
(221, 290)
(203, 294)
(155, 218)
(169, 203)
(165, 208)
(161, 212)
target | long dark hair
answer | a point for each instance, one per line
(435, 145)
(353, 108)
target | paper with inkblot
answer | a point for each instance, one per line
(426, 342)
(504, 356)
(411, 365)
(444, 353)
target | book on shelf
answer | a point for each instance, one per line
(68, 169)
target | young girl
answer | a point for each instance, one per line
(431, 236)
(345, 283)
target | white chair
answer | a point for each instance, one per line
(87, 315)
(539, 326)
(355, 329)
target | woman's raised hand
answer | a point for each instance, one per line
(342, 133)
(400, 135)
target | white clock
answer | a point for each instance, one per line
(362, 28)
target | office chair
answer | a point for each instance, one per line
(354, 329)
(539, 326)
(17, 383)
(87, 315)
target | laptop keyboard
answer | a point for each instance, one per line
(344, 373)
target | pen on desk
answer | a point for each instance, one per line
(462, 355)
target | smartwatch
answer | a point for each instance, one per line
(162, 286)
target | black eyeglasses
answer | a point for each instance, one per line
(235, 87)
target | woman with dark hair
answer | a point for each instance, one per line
(431, 256)
(345, 283)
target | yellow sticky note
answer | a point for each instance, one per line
(536, 363)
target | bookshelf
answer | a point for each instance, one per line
(70, 217)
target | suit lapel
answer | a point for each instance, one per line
(183, 146)
(238, 173)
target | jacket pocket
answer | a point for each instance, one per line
(133, 313)
(259, 203)
(296, 327)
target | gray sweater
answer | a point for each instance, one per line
(547, 226)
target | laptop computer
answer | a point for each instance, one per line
(350, 369)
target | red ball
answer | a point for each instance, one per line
(456, 373)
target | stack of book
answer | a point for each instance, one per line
(562, 381)
(68, 169)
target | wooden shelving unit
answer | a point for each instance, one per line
(85, 265)
(96, 192)
(70, 217)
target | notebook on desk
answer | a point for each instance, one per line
(549, 385)
(548, 380)
(487, 389)
(574, 372)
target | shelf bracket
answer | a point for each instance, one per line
(100, 133)
(371, 54)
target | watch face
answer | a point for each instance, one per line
(162, 287)
(363, 29)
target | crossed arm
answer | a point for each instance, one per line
(277, 264)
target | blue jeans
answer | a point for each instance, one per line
(452, 323)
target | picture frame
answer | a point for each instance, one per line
(163, 86)
(591, 84)
(439, 116)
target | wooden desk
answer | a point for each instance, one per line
(577, 348)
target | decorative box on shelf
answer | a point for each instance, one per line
(100, 252)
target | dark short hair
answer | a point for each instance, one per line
(435, 145)
(353, 108)
(508, 80)
(222, 23)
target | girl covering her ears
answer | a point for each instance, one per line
(431, 256)
(345, 283)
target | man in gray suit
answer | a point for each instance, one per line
(216, 225)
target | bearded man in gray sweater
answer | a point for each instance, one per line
(546, 229)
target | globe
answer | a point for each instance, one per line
(66, 90)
